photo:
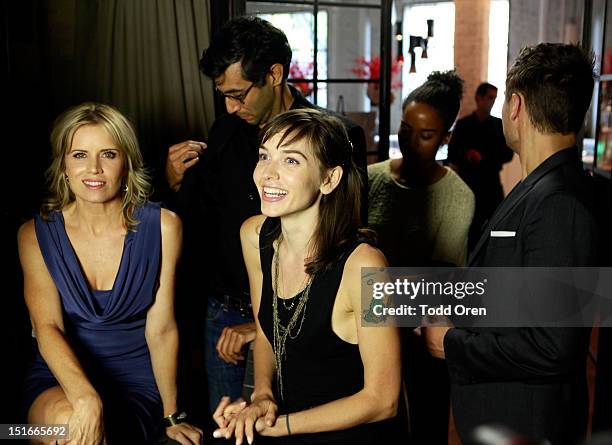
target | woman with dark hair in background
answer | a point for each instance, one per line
(98, 266)
(332, 380)
(421, 212)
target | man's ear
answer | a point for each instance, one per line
(332, 179)
(276, 74)
(517, 104)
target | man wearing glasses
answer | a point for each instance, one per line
(248, 61)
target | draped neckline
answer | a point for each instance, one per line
(81, 272)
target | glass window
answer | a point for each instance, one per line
(440, 48)
(351, 34)
(299, 29)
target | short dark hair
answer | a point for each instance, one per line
(484, 88)
(339, 219)
(254, 42)
(556, 81)
(442, 91)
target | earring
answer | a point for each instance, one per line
(67, 179)
(124, 188)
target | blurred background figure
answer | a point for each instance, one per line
(421, 212)
(477, 152)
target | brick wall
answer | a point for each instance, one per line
(471, 46)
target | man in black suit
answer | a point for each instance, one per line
(533, 379)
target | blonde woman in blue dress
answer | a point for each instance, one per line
(99, 264)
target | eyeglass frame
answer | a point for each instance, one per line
(241, 98)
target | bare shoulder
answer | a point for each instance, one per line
(30, 254)
(26, 236)
(364, 255)
(170, 221)
(249, 231)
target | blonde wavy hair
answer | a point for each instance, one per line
(136, 187)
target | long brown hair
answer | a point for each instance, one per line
(339, 211)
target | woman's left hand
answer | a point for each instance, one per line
(185, 434)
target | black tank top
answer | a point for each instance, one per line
(319, 366)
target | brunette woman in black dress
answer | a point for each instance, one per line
(320, 376)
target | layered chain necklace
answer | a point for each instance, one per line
(281, 332)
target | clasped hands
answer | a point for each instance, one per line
(240, 419)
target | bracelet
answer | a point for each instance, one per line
(175, 418)
(287, 422)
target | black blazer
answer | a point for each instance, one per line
(530, 379)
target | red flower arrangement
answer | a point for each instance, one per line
(370, 69)
(302, 71)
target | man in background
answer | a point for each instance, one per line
(477, 150)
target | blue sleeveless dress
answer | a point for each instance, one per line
(106, 328)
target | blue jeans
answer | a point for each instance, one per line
(224, 379)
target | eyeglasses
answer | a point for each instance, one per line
(240, 98)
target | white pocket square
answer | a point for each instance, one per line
(502, 233)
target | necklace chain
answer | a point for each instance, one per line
(280, 282)
(280, 332)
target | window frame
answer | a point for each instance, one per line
(238, 8)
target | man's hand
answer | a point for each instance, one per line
(181, 156)
(434, 339)
(232, 339)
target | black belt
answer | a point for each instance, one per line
(234, 303)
